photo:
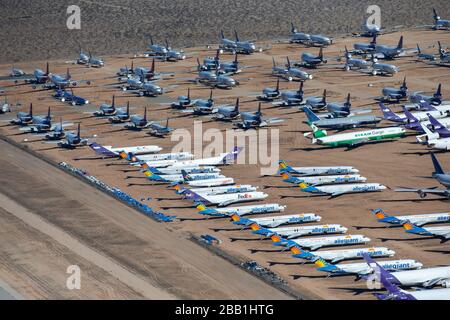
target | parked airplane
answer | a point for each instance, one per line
(440, 23)
(365, 48)
(424, 56)
(322, 180)
(121, 115)
(364, 269)
(395, 293)
(298, 231)
(159, 130)
(444, 57)
(433, 139)
(223, 189)
(356, 138)
(299, 37)
(39, 76)
(309, 60)
(240, 211)
(255, 120)
(335, 256)
(270, 94)
(106, 109)
(23, 118)
(73, 140)
(40, 124)
(16, 72)
(291, 98)
(295, 73)
(394, 94)
(227, 113)
(418, 219)
(225, 199)
(435, 99)
(183, 177)
(215, 79)
(90, 60)
(313, 171)
(383, 69)
(414, 123)
(5, 107)
(340, 123)
(439, 174)
(340, 189)
(172, 54)
(389, 52)
(238, 46)
(111, 151)
(370, 30)
(275, 221)
(279, 71)
(69, 96)
(353, 63)
(420, 115)
(137, 122)
(57, 133)
(61, 82)
(317, 103)
(183, 101)
(442, 232)
(426, 277)
(156, 49)
(178, 170)
(148, 159)
(319, 242)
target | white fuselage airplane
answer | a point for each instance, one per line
(363, 268)
(295, 232)
(418, 219)
(225, 199)
(179, 177)
(178, 170)
(321, 180)
(164, 156)
(342, 254)
(275, 221)
(225, 189)
(319, 242)
(313, 171)
(111, 151)
(241, 211)
(337, 190)
(427, 277)
(440, 232)
(225, 181)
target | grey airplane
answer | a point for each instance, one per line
(210, 63)
(365, 48)
(39, 77)
(125, 71)
(142, 87)
(183, 102)
(16, 72)
(106, 110)
(40, 123)
(394, 94)
(309, 60)
(389, 52)
(138, 122)
(292, 98)
(202, 107)
(425, 56)
(89, 60)
(441, 176)
(237, 46)
(61, 82)
(121, 116)
(369, 30)
(278, 71)
(383, 68)
(156, 49)
(172, 54)
(57, 133)
(317, 103)
(353, 63)
(230, 67)
(270, 94)
(227, 113)
(440, 23)
(214, 79)
(341, 122)
(308, 39)
(444, 57)
(435, 99)
(73, 140)
(159, 130)
(295, 73)
(254, 120)
(23, 118)
(5, 107)
(337, 109)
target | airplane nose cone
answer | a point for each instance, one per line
(310, 77)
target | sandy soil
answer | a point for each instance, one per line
(398, 163)
(36, 29)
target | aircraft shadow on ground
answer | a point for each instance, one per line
(408, 239)
(439, 251)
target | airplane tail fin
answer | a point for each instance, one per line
(113, 104)
(132, 66)
(412, 228)
(438, 93)
(167, 123)
(322, 265)
(185, 175)
(152, 176)
(298, 252)
(145, 114)
(312, 117)
(236, 35)
(277, 89)
(400, 43)
(236, 107)
(211, 96)
(288, 63)
(293, 28)
(259, 109)
(47, 69)
(324, 96)
(410, 117)
(388, 114)
(418, 49)
(404, 86)
(233, 154)
(31, 110)
(284, 167)
(273, 62)
(128, 108)
(300, 88)
(49, 116)
(191, 195)
(287, 177)
(441, 51)
(203, 209)
(437, 165)
(435, 15)
(320, 56)
(437, 126)
(189, 94)
(374, 39)
(78, 131)
(152, 69)
(383, 216)
(317, 133)
(221, 34)
(347, 102)
(151, 40)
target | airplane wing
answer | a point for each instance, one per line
(431, 283)
(424, 192)
(336, 194)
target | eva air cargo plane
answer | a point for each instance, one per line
(355, 138)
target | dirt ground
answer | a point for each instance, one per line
(397, 163)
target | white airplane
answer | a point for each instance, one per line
(240, 211)
(177, 170)
(442, 232)
(295, 232)
(433, 139)
(396, 293)
(223, 200)
(211, 182)
(418, 219)
(225, 189)
(158, 157)
(340, 189)
(222, 159)
(363, 268)
(319, 242)
(314, 171)
(322, 180)
(426, 277)
(342, 254)
(275, 221)
(181, 178)
(114, 152)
